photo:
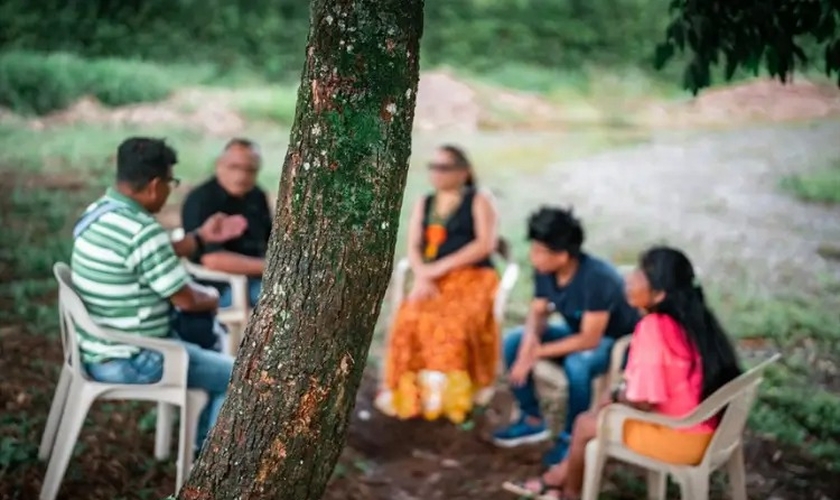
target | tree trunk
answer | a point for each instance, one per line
(283, 425)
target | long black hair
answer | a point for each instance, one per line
(668, 270)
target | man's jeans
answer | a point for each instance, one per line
(254, 286)
(580, 367)
(207, 370)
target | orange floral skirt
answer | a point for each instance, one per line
(443, 350)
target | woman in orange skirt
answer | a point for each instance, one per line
(444, 343)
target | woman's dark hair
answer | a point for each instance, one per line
(558, 229)
(459, 158)
(668, 270)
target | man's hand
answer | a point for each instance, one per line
(422, 289)
(520, 370)
(219, 228)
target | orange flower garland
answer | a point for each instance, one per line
(435, 236)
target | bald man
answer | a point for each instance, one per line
(234, 191)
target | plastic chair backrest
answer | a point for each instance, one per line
(508, 281)
(68, 305)
(737, 397)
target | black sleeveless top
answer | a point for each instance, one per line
(460, 230)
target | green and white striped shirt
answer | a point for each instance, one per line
(125, 270)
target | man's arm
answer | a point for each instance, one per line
(186, 246)
(535, 323)
(195, 211)
(154, 260)
(593, 324)
(195, 298)
(234, 263)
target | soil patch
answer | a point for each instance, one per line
(384, 459)
(766, 101)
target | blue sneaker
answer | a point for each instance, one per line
(521, 433)
(559, 451)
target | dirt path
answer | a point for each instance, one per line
(715, 195)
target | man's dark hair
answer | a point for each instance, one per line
(556, 228)
(141, 159)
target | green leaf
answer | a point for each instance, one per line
(799, 53)
(664, 53)
(731, 66)
(772, 60)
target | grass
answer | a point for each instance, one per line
(274, 104)
(89, 149)
(818, 186)
(36, 84)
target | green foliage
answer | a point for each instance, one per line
(820, 186)
(270, 35)
(777, 35)
(38, 84)
(275, 104)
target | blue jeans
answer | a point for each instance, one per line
(580, 367)
(254, 287)
(207, 370)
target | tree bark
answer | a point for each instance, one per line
(283, 425)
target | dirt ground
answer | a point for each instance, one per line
(384, 459)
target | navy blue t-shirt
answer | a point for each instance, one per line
(596, 286)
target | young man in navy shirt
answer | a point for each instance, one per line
(589, 295)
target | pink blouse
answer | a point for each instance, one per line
(664, 369)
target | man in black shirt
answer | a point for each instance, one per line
(233, 191)
(589, 293)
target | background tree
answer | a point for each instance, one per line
(778, 35)
(283, 426)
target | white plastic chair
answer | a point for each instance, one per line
(506, 284)
(75, 391)
(725, 449)
(235, 316)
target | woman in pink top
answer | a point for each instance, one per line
(679, 355)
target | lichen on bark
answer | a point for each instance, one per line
(282, 428)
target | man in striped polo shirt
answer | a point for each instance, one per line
(129, 275)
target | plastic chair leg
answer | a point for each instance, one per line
(190, 413)
(75, 411)
(593, 470)
(56, 410)
(163, 430)
(657, 485)
(737, 474)
(235, 332)
(694, 485)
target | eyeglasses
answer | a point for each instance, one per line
(443, 167)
